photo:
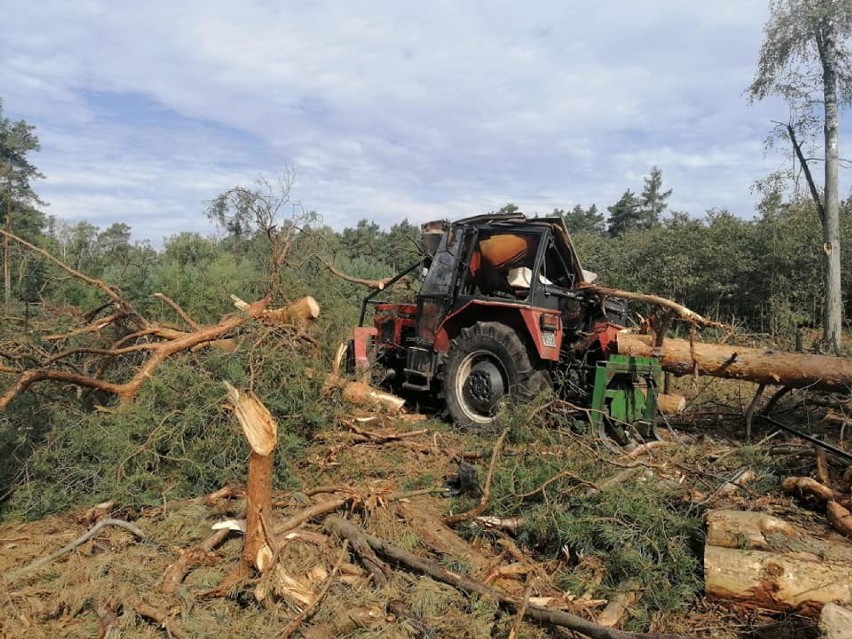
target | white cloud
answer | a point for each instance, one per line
(385, 109)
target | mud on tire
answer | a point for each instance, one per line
(487, 364)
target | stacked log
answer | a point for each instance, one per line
(761, 561)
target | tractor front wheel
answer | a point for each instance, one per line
(487, 364)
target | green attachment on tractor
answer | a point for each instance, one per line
(624, 400)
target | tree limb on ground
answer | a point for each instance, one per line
(486, 491)
(163, 619)
(82, 539)
(541, 614)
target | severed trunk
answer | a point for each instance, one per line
(261, 431)
(759, 365)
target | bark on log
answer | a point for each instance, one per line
(773, 581)
(747, 530)
(759, 365)
(377, 569)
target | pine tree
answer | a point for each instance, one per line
(653, 199)
(625, 215)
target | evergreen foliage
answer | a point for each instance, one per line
(583, 220)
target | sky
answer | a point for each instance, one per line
(386, 110)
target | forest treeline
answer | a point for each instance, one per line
(763, 274)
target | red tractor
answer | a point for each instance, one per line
(501, 314)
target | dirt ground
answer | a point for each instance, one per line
(111, 585)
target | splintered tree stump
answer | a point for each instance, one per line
(759, 365)
(761, 561)
(261, 431)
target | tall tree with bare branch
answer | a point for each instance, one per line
(806, 58)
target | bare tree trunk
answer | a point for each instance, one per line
(7, 257)
(832, 330)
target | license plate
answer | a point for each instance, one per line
(549, 340)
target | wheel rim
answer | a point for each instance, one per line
(480, 385)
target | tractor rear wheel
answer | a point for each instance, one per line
(488, 364)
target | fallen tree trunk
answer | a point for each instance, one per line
(759, 365)
(761, 561)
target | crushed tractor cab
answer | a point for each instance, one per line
(502, 314)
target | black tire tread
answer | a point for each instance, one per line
(525, 380)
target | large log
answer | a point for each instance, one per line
(776, 582)
(760, 365)
(750, 530)
(758, 560)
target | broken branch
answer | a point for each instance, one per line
(486, 491)
(539, 613)
(377, 284)
(682, 311)
(82, 539)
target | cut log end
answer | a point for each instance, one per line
(670, 403)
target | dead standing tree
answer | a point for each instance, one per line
(262, 209)
(805, 59)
